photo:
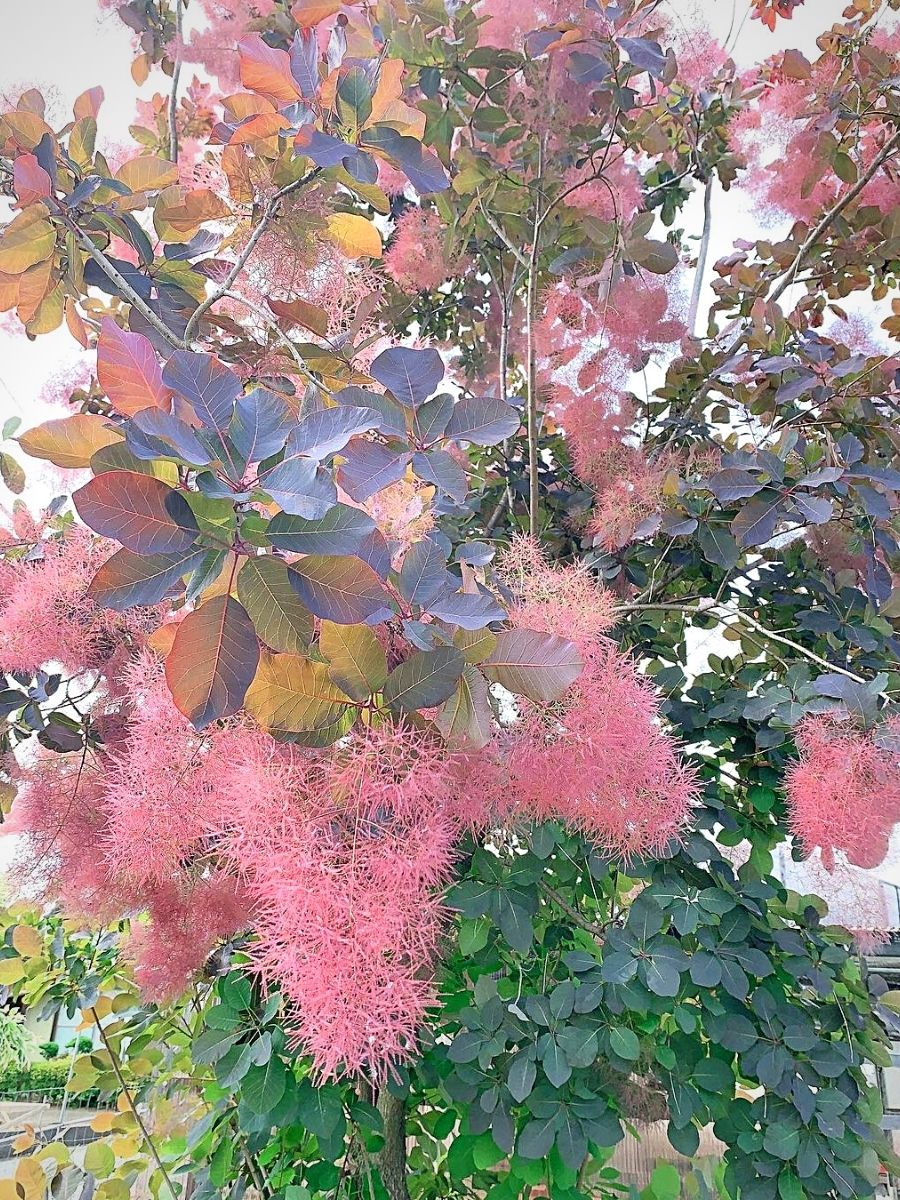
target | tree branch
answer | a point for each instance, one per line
(709, 608)
(702, 256)
(392, 1157)
(120, 281)
(269, 214)
(783, 281)
(582, 922)
(176, 75)
(145, 1133)
(533, 421)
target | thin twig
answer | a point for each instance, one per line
(702, 256)
(531, 391)
(176, 75)
(711, 608)
(786, 278)
(270, 321)
(269, 214)
(582, 922)
(145, 1133)
(120, 281)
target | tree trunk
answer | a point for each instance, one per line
(392, 1159)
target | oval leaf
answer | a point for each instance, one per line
(292, 694)
(343, 530)
(356, 661)
(141, 512)
(484, 421)
(129, 371)
(340, 589)
(129, 579)
(70, 441)
(274, 607)
(540, 666)
(212, 661)
(427, 678)
(353, 234)
(411, 376)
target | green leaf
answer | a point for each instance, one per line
(665, 1183)
(536, 1139)
(264, 1086)
(278, 616)
(625, 1043)
(781, 1141)
(427, 678)
(356, 661)
(213, 1044)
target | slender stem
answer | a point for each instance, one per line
(145, 1133)
(534, 449)
(120, 281)
(702, 256)
(176, 75)
(835, 211)
(709, 608)
(786, 278)
(270, 321)
(582, 922)
(270, 212)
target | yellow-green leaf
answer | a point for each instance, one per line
(27, 240)
(353, 234)
(147, 173)
(291, 694)
(356, 661)
(69, 441)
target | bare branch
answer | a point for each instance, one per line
(269, 214)
(709, 608)
(176, 76)
(120, 281)
(702, 256)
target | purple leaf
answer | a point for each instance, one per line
(260, 425)
(733, 484)
(484, 421)
(421, 167)
(301, 487)
(424, 574)
(304, 54)
(343, 530)
(411, 376)
(369, 467)
(441, 469)
(469, 611)
(209, 387)
(330, 429)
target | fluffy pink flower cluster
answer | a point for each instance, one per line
(416, 259)
(599, 760)
(843, 791)
(337, 859)
(345, 854)
(46, 615)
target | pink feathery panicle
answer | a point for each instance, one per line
(159, 785)
(601, 761)
(615, 197)
(629, 491)
(46, 616)
(843, 791)
(554, 599)
(598, 760)
(345, 853)
(185, 921)
(60, 820)
(403, 512)
(416, 259)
